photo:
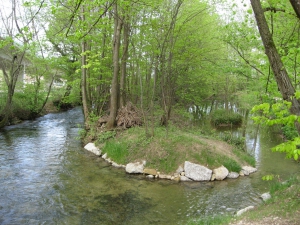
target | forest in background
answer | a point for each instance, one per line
(156, 54)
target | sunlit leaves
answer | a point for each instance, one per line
(278, 114)
(291, 148)
(268, 177)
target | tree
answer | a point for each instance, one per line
(283, 81)
(13, 46)
(118, 24)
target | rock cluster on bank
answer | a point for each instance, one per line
(187, 172)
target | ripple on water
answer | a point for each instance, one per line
(47, 178)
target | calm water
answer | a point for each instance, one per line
(46, 177)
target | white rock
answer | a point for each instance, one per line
(92, 148)
(150, 176)
(104, 156)
(220, 173)
(213, 177)
(135, 167)
(184, 178)
(265, 196)
(249, 169)
(144, 162)
(182, 173)
(114, 164)
(197, 172)
(233, 175)
(179, 170)
(240, 212)
(163, 176)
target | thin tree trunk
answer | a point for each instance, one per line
(124, 64)
(83, 83)
(84, 97)
(115, 84)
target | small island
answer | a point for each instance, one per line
(179, 152)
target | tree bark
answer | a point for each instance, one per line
(124, 64)
(296, 6)
(283, 81)
(84, 75)
(115, 80)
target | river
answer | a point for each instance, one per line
(47, 177)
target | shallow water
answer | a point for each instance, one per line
(47, 177)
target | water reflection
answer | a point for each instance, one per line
(47, 178)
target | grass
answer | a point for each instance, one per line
(166, 150)
(116, 151)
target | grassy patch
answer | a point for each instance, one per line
(232, 165)
(116, 151)
(168, 149)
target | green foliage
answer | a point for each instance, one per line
(239, 142)
(278, 114)
(268, 177)
(116, 151)
(291, 148)
(289, 132)
(104, 136)
(224, 117)
(27, 103)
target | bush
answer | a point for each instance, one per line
(290, 132)
(222, 117)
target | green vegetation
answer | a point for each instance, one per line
(282, 208)
(116, 151)
(222, 117)
(165, 151)
(279, 114)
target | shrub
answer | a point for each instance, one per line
(223, 117)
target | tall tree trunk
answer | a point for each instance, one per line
(115, 83)
(84, 97)
(83, 82)
(124, 63)
(283, 81)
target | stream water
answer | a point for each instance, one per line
(46, 177)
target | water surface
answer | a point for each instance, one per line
(47, 177)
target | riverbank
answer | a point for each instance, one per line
(281, 209)
(169, 147)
